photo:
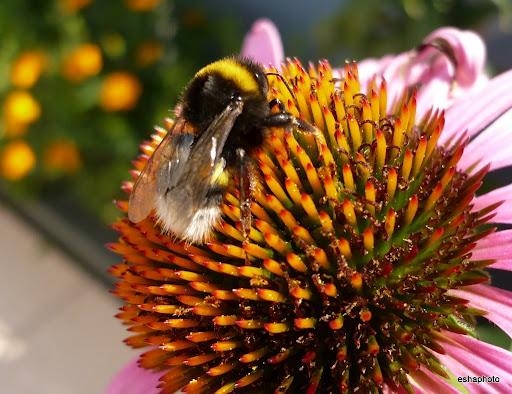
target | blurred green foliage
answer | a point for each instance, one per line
(85, 80)
(373, 28)
(81, 145)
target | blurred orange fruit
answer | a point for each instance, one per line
(62, 156)
(72, 6)
(84, 62)
(141, 5)
(20, 110)
(16, 160)
(120, 91)
(27, 68)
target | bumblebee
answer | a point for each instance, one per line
(222, 116)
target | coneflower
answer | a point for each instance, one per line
(365, 268)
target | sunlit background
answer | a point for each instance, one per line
(84, 81)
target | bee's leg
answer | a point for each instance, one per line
(246, 187)
(285, 119)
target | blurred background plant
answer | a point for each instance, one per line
(85, 80)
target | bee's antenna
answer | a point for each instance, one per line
(285, 83)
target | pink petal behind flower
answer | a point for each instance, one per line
(479, 108)
(263, 43)
(491, 145)
(133, 379)
(391, 68)
(368, 68)
(435, 86)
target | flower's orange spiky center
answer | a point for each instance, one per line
(359, 231)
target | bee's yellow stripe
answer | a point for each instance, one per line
(219, 176)
(232, 70)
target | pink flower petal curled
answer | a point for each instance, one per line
(133, 379)
(497, 302)
(263, 43)
(468, 51)
(469, 356)
(479, 108)
(491, 145)
(504, 211)
(439, 77)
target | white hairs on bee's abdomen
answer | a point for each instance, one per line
(185, 223)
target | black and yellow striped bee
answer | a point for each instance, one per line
(222, 116)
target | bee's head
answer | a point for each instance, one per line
(219, 83)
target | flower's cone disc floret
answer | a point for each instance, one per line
(359, 231)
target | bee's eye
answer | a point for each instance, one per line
(235, 97)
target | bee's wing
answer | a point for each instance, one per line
(205, 163)
(169, 156)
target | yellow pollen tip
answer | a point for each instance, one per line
(356, 281)
(391, 183)
(344, 247)
(337, 323)
(412, 208)
(276, 328)
(389, 224)
(420, 155)
(368, 239)
(349, 212)
(381, 149)
(407, 164)
(365, 315)
(348, 179)
(304, 323)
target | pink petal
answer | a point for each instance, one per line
(479, 108)
(505, 264)
(492, 145)
(496, 246)
(486, 352)
(497, 302)
(468, 356)
(504, 211)
(460, 370)
(133, 379)
(426, 382)
(390, 68)
(368, 68)
(263, 43)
